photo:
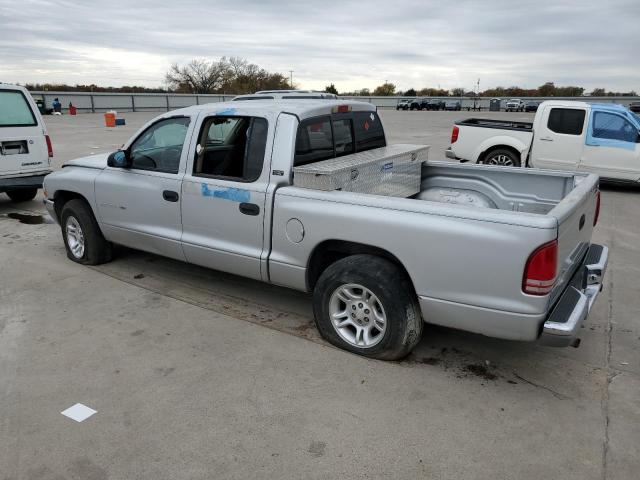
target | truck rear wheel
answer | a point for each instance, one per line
(366, 305)
(83, 239)
(501, 157)
(22, 194)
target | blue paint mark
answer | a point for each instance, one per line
(228, 111)
(387, 167)
(233, 194)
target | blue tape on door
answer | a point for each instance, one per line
(233, 194)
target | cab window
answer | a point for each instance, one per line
(159, 148)
(231, 148)
(321, 138)
(568, 121)
(613, 127)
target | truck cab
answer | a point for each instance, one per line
(25, 147)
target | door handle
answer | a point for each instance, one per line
(249, 208)
(546, 139)
(170, 196)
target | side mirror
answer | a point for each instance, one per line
(118, 159)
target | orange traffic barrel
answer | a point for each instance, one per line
(110, 119)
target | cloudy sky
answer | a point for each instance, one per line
(354, 44)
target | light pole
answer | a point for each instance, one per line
(291, 78)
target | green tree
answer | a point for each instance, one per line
(547, 90)
(385, 90)
(411, 93)
(457, 92)
(331, 89)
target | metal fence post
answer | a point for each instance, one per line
(93, 106)
(133, 103)
(197, 99)
(167, 97)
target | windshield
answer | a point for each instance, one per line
(15, 110)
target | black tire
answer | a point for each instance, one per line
(22, 194)
(493, 157)
(394, 292)
(97, 249)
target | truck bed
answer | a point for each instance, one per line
(531, 191)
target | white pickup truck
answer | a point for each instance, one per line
(25, 147)
(565, 135)
(268, 189)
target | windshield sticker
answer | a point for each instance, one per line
(233, 194)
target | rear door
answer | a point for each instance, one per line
(224, 195)
(558, 141)
(611, 146)
(23, 147)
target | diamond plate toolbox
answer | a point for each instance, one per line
(394, 170)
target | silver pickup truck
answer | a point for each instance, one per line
(497, 251)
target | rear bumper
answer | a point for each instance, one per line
(32, 181)
(563, 323)
(449, 154)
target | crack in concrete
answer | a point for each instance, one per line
(553, 392)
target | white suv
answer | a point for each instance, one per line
(25, 147)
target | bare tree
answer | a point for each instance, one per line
(233, 75)
(198, 76)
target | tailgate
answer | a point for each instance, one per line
(23, 149)
(575, 215)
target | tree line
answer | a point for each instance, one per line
(235, 75)
(549, 89)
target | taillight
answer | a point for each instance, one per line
(49, 146)
(540, 270)
(595, 217)
(454, 134)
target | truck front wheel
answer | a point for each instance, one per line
(365, 304)
(83, 239)
(501, 157)
(22, 194)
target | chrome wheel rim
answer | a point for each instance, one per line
(501, 159)
(357, 315)
(75, 237)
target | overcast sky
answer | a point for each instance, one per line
(354, 44)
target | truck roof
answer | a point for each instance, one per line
(301, 108)
(612, 107)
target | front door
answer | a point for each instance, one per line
(223, 195)
(140, 206)
(558, 141)
(612, 149)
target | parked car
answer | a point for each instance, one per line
(453, 105)
(565, 135)
(531, 106)
(634, 107)
(514, 105)
(433, 104)
(25, 147)
(221, 185)
(416, 104)
(403, 104)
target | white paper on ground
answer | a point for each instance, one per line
(78, 412)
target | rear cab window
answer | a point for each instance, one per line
(15, 110)
(330, 136)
